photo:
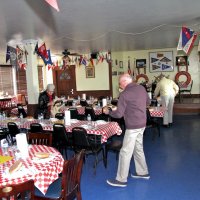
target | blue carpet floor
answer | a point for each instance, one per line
(174, 164)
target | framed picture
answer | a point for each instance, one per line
(120, 73)
(114, 73)
(161, 61)
(181, 60)
(90, 72)
(120, 64)
(140, 63)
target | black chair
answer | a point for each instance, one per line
(35, 128)
(74, 113)
(60, 116)
(62, 140)
(18, 191)
(68, 186)
(152, 124)
(13, 130)
(90, 110)
(90, 142)
(83, 103)
(114, 102)
(21, 111)
(114, 144)
(69, 103)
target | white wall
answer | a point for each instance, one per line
(100, 82)
(193, 68)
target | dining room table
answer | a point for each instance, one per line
(157, 111)
(99, 127)
(42, 171)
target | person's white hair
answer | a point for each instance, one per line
(126, 77)
(50, 87)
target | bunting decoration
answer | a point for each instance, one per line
(11, 55)
(41, 50)
(186, 40)
(53, 3)
(21, 57)
(47, 61)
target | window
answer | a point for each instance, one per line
(21, 81)
(6, 79)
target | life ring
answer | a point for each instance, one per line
(188, 76)
(142, 76)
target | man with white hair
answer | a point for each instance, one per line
(132, 104)
(45, 101)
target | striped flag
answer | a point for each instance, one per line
(53, 3)
(186, 39)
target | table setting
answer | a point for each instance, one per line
(42, 164)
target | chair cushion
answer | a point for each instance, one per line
(54, 190)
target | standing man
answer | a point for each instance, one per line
(132, 105)
(45, 101)
(167, 90)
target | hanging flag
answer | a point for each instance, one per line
(41, 51)
(129, 66)
(47, 61)
(11, 55)
(91, 62)
(21, 57)
(186, 39)
(53, 3)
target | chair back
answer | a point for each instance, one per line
(80, 138)
(73, 113)
(59, 116)
(69, 103)
(23, 190)
(40, 138)
(35, 128)
(114, 102)
(83, 102)
(13, 130)
(21, 110)
(71, 177)
(90, 110)
(60, 136)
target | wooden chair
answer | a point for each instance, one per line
(66, 187)
(22, 191)
(40, 138)
(187, 89)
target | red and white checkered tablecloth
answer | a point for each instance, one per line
(157, 111)
(42, 172)
(106, 130)
(81, 110)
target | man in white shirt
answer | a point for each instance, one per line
(167, 89)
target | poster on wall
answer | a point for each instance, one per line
(161, 61)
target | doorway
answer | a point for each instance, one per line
(65, 81)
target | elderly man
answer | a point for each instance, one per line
(167, 89)
(45, 101)
(132, 105)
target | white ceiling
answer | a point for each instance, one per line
(85, 26)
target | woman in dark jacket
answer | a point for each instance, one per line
(45, 101)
